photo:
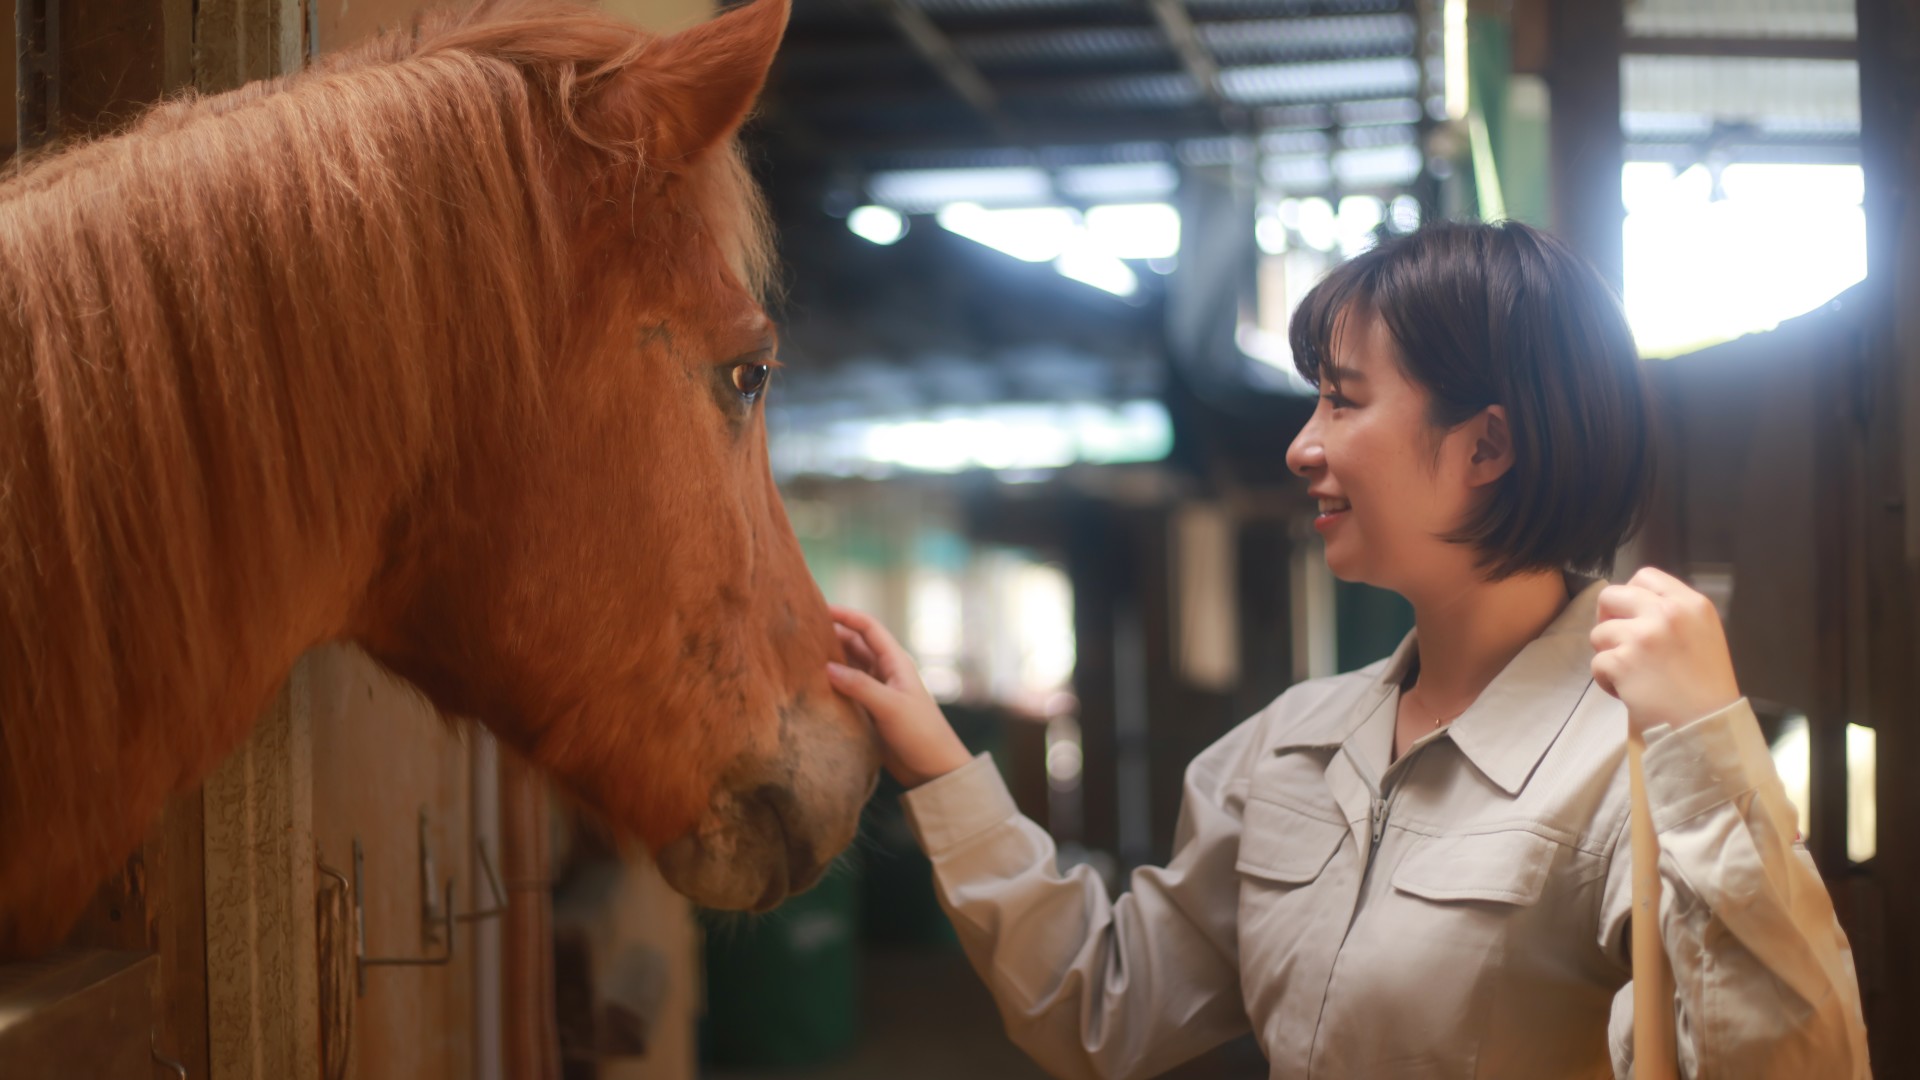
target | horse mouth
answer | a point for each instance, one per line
(798, 871)
(755, 861)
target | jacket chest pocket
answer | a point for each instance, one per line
(1508, 867)
(1468, 896)
(1296, 894)
(1283, 846)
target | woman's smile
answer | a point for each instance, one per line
(1332, 511)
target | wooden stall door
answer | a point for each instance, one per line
(393, 778)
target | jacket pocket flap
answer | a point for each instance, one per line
(1508, 867)
(1280, 843)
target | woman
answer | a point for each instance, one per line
(1420, 869)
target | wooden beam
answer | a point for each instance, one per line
(1178, 27)
(1758, 48)
(85, 1013)
(934, 46)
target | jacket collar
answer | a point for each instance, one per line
(1511, 725)
(1515, 720)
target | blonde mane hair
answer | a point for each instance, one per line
(234, 337)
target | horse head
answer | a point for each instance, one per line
(609, 581)
(453, 347)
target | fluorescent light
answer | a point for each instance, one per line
(1359, 215)
(1089, 252)
(1270, 234)
(1129, 181)
(1377, 166)
(1404, 213)
(1136, 230)
(1453, 19)
(1318, 226)
(925, 190)
(1002, 437)
(882, 225)
(1090, 265)
(1036, 234)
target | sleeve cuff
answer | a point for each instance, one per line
(1704, 763)
(947, 812)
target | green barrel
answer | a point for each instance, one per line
(783, 988)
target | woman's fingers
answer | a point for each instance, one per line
(1659, 582)
(853, 617)
(1613, 633)
(878, 697)
(1625, 602)
(1604, 681)
(1659, 648)
(858, 654)
(886, 651)
(863, 654)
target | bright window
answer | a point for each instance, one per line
(1708, 261)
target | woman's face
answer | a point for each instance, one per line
(1389, 484)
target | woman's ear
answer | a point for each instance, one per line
(1492, 446)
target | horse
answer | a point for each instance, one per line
(454, 347)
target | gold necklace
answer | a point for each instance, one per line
(1437, 721)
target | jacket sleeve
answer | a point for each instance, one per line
(1088, 986)
(1764, 978)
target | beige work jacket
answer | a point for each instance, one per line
(1461, 912)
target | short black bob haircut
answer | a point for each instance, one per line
(1505, 314)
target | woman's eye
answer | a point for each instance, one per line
(750, 379)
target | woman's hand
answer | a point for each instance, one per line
(1659, 648)
(918, 743)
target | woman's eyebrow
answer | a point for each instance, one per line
(1341, 373)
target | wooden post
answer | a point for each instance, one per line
(262, 979)
(1588, 150)
(1889, 44)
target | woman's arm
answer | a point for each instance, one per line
(1088, 986)
(1764, 979)
(1765, 983)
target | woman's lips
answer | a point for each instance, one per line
(1332, 511)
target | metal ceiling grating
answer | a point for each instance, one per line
(877, 78)
(1329, 81)
(1331, 38)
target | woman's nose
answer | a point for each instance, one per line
(1306, 453)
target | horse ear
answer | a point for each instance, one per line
(702, 82)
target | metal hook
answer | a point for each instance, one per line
(442, 921)
(162, 1060)
(499, 907)
(438, 920)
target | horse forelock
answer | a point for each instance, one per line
(229, 337)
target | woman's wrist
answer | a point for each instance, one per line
(945, 755)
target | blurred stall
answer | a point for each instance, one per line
(1042, 255)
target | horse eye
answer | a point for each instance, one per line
(750, 379)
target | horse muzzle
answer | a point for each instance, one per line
(774, 826)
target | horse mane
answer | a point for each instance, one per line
(235, 335)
